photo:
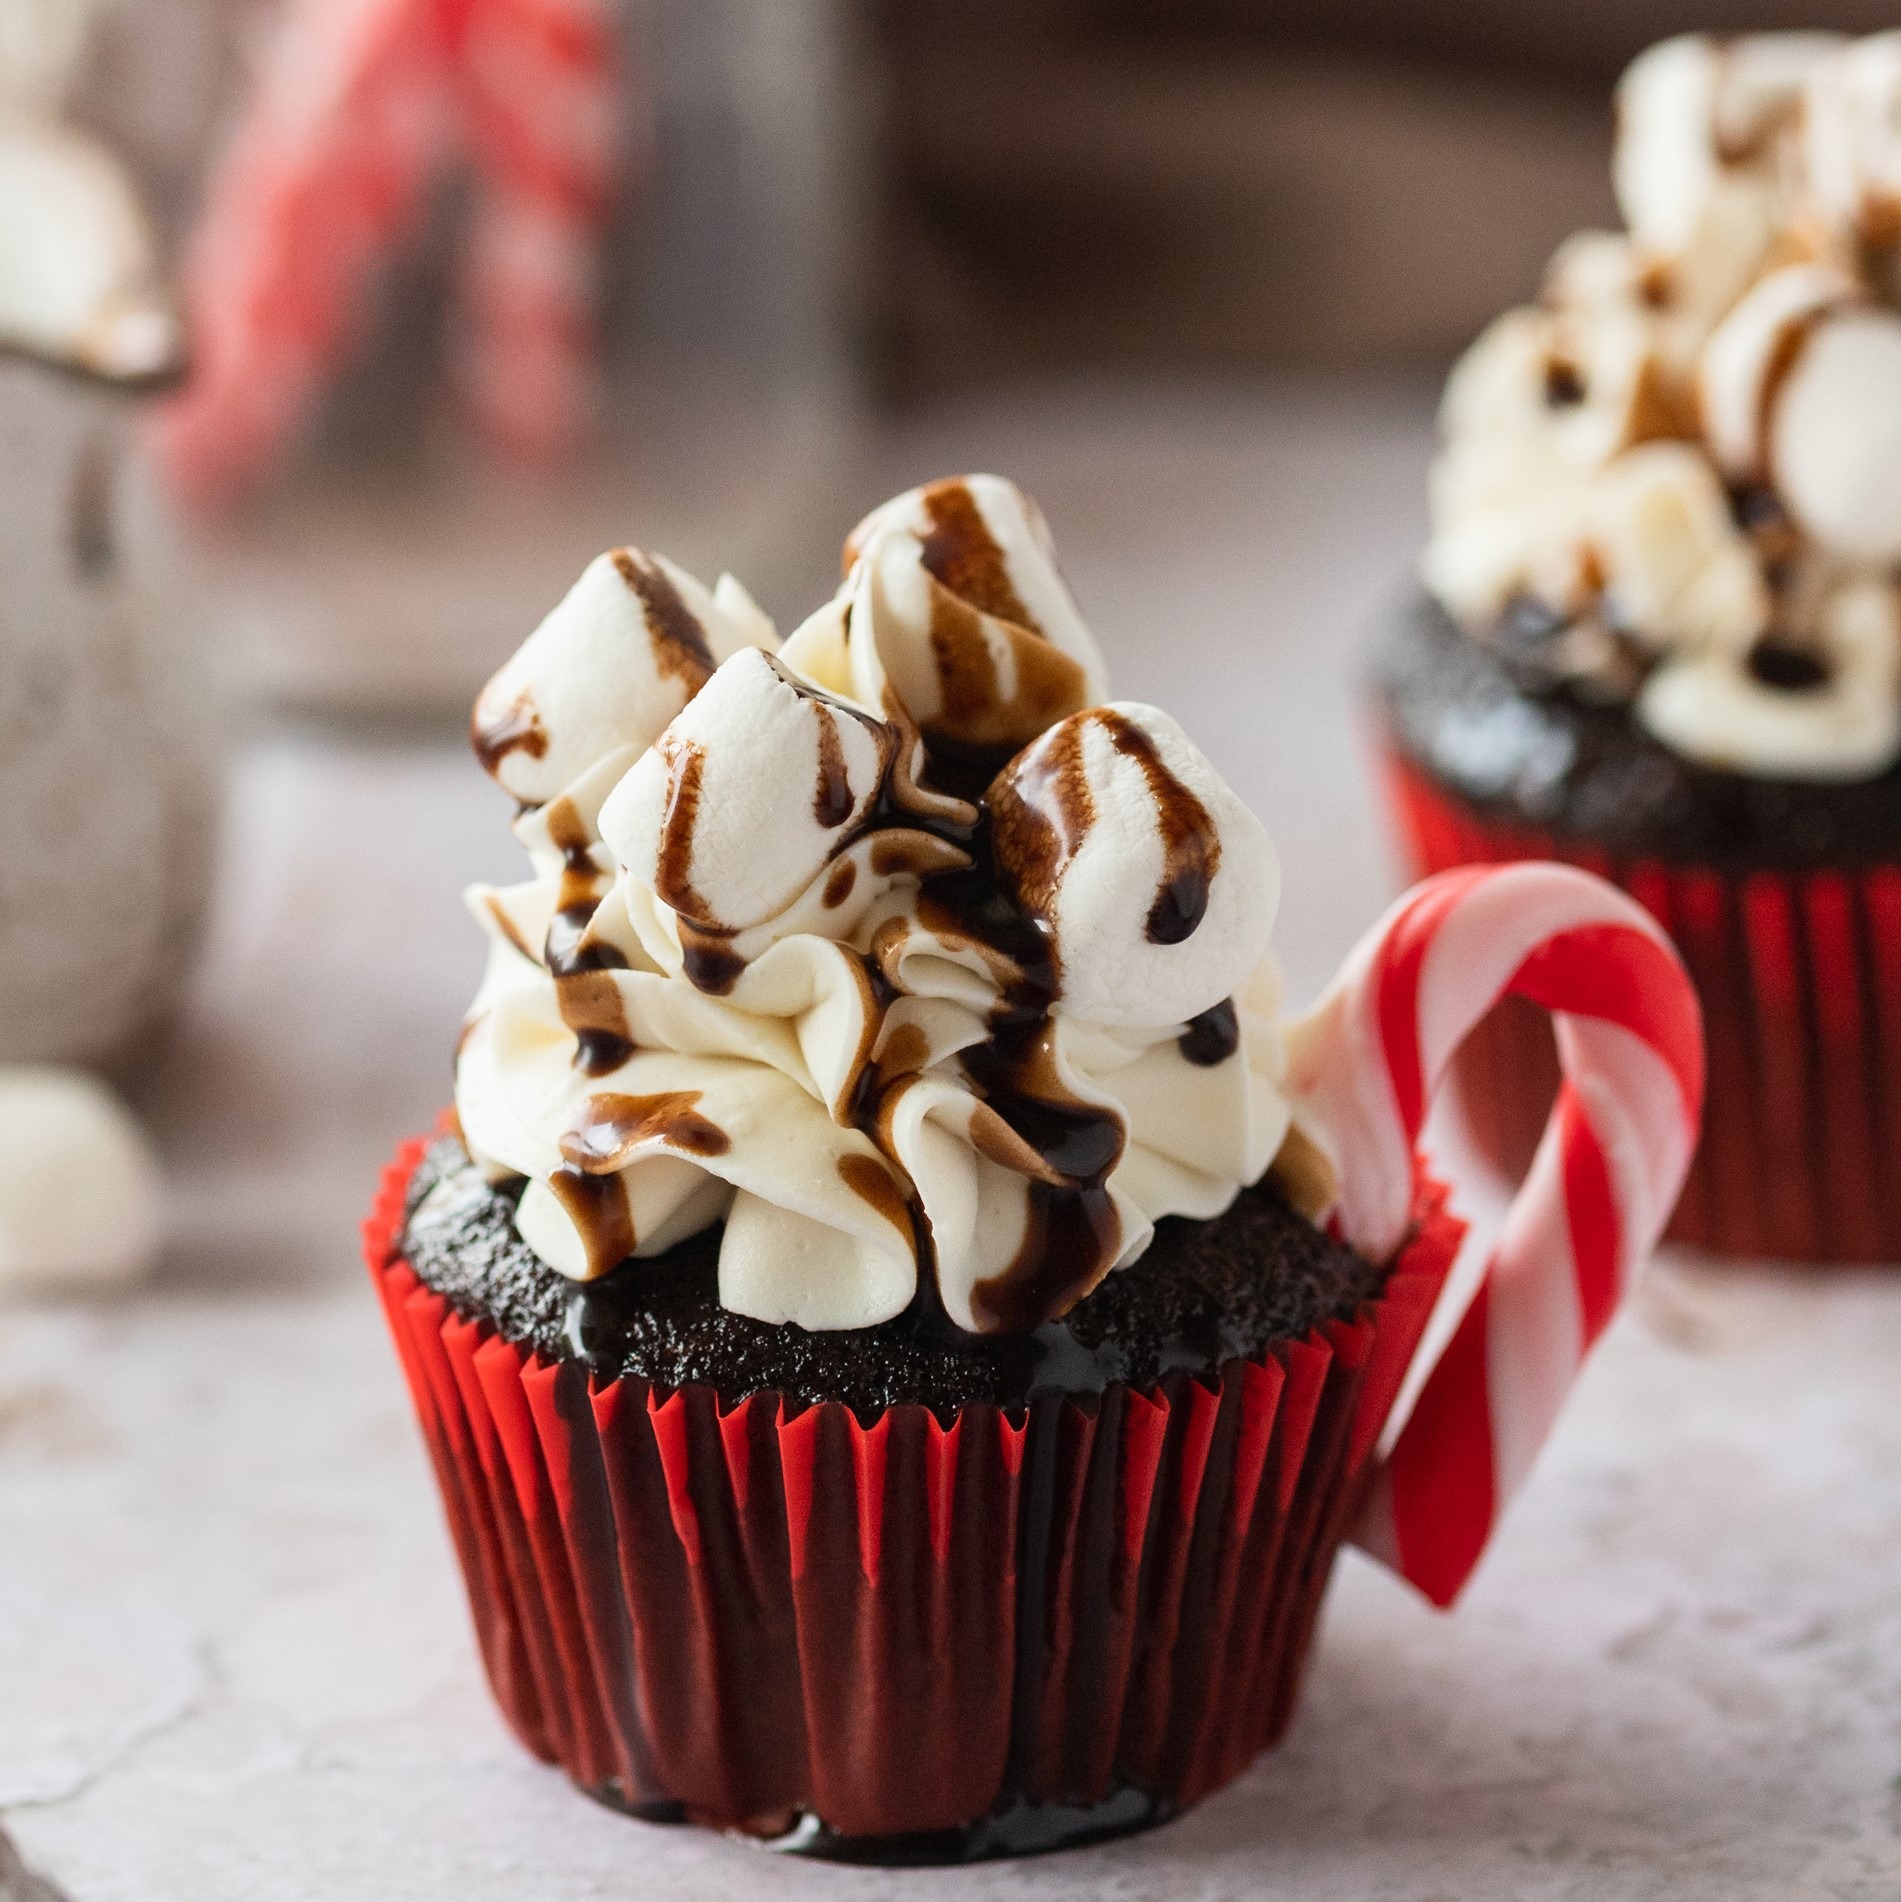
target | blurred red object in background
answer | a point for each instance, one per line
(359, 108)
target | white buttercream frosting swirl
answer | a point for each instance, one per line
(1679, 474)
(897, 949)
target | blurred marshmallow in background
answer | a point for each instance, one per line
(79, 1185)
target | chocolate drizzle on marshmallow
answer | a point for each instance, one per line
(680, 643)
(496, 732)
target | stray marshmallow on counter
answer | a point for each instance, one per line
(79, 1185)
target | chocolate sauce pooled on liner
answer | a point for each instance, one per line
(1204, 1292)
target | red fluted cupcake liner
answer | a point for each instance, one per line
(1092, 1611)
(1800, 979)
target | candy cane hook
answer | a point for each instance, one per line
(1365, 1065)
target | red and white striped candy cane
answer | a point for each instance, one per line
(1366, 1064)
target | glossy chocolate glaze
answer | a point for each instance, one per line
(1204, 1292)
(1529, 751)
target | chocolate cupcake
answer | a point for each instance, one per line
(1661, 634)
(901, 1326)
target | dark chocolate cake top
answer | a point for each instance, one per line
(1202, 1293)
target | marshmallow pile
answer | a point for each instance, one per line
(896, 947)
(79, 277)
(1681, 468)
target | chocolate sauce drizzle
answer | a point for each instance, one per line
(974, 582)
(1071, 1233)
(515, 728)
(597, 1205)
(1213, 1037)
(680, 646)
(962, 554)
(1191, 848)
(585, 993)
(673, 873)
(1045, 811)
(615, 1125)
(988, 853)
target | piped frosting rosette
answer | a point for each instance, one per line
(898, 949)
(1675, 480)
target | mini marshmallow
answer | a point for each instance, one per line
(748, 795)
(627, 647)
(1507, 519)
(1851, 147)
(1157, 885)
(1749, 348)
(79, 1185)
(956, 607)
(1582, 387)
(1018, 544)
(1678, 571)
(1835, 435)
(1699, 166)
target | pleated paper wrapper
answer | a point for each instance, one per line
(756, 1615)
(1799, 974)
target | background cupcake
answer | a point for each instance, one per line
(891, 1390)
(1661, 635)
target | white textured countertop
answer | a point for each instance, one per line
(234, 1661)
